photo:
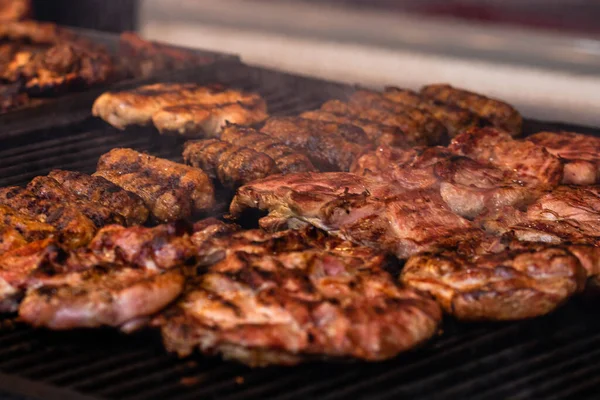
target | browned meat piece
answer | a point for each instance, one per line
(14, 10)
(33, 32)
(533, 164)
(170, 190)
(499, 113)
(138, 106)
(414, 132)
(30, 228)
(581, 154)
(467, 186)
(198, 120)
(508, 285)
(74, 229)
(287, 159)
(303, 302)
(358, 209)
(49, 189)
(379, 134)
(327, 144)
(100, 296)
(10, 239)
(104, 193)
(455, 119)
(233, 165)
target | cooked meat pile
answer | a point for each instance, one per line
(187, 109)
(286, 297)
(40, 60)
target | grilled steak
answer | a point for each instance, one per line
(331, 299)
(379, 134)
(499, 113)
(10, 239)
(207, 120)
(287, 159)
(330, 146)
(581, 154)
(73, 228)
(414, 130)
(29, 228)
(171, 191)
(508, 285)
(104, 193)
(533, 164)
(233, 165)
(359, 209)
(455, 119)
(139, 106)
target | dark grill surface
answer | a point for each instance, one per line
(557, 356)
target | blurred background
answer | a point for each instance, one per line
(542, 55)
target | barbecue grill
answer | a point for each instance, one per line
(557, 356)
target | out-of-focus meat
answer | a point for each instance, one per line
(10, 239)
(328, 300)
(100, 296)
(29, 228)
(533, 164)
(508, 285)
(581, 154)
(287, 159)
(12, 97)
(330, 146)
(414, 131)
(104, 193)
(14, 10)
(379, 134)
(49, 189)
(73, 228)
(171, 191)
(138, 106)
(207, 120)
(233, 165)
(499, 113)
(33, 32)
(359, 209)
(455, 119)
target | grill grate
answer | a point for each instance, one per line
(557, 356)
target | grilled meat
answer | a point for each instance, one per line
(138, 106)
(104, 193)
(455, 119)
(581, 154)
(10, 239)
(413, 132)
(303, 302)
(499, 113)
(33, 32)
(359, 209)
(11, 97)
(100, 296)
(330, 146)
(49, 189)
(286, 159)
(533, 164)
(73, 228)
(233, 165)
(379, 134)
(29, 228)
(207, 120)
(170, 190)
(14, 10)
(509, 285)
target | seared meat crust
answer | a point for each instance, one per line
(499, 113)
(29, 228)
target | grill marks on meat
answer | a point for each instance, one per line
(581, 154)
(329, 300)
(358, 209)
(233, 165)
(510, 285)
(455, 119)
(286, 159)
(29, 228)
(533, 164)
(102, 192)
(499, 113)
(330, 146)
(184, 108)
(171, 191)
(73, 228)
